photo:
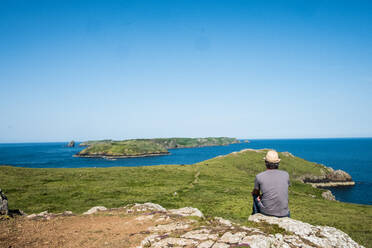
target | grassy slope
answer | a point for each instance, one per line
(219, 187)
(194, 142)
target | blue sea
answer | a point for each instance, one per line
(353, 155)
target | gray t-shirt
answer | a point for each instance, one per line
(274, 187)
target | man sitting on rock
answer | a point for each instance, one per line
(273, 184)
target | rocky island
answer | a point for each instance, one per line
(110, 149)
(122, 149)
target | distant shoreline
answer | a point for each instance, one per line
(121, 156)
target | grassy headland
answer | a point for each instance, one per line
(146, 147)
(218, 187)
(120, 149)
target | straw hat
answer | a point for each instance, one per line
(272, 157)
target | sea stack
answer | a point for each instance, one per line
(71, 144)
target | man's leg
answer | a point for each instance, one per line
(256, 207)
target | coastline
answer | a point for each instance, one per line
(121, 156)
(158, 147)
(333, 184)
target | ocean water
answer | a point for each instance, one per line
(352, 155)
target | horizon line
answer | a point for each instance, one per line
(79, 141)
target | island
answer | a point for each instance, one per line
(110, 149)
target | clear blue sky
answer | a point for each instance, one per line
(130, 69)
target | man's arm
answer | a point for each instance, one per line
(256, 192)
(256, 189)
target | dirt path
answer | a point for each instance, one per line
(112, 229)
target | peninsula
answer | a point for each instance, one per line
(110, 149)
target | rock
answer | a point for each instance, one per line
(206, 244)
(339, 176)
(95, 209)
(259, 241)
(42, 215)
(3, 204)
(148, 206)
(187, 211)
(220, 245)
(169, 227)
(328, 195)
(47, 215)
(149, 240)
(288, 154)
(232, 238)
(322, 236)
(330, 178)
(31, 216)
(171, 242)
(203, 234)
(223, 221)
(295, 241)
(71, 144)
(67, 213)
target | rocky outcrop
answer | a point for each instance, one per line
(224, 233)
(3, 204)
(95, 210)
(46, 215)
(187, 211)
(174, 228)
(339, 176)
(288, 154)
(309, 235)
(328, 195)
(330, 178)
(71, 144)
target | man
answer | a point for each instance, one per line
(273, 184)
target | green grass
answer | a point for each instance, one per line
(139, 147)
(194, 142)
(218, 187)
(123, 148)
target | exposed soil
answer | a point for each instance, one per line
(113, 229)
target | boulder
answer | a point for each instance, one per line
(95, 209)
(71, 144)
(328, 195)
(3, 204)
(314, 236)
(187, 211)
(148, 206)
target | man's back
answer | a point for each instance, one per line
(274, 187)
